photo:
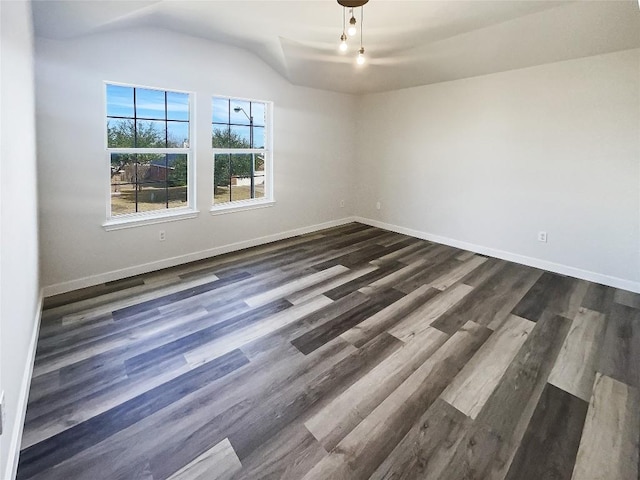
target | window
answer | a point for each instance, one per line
(241, 153)
(149, 148)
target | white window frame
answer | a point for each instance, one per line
(249, 204)
(128, 220)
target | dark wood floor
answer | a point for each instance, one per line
(349, 353)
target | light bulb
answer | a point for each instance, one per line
(343, 43)
(352, 27)
(361, 58)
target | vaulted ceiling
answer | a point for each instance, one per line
(408, 43)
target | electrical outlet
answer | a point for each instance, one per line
(162, 236)
(378, 205)
(542, 237)
(341, 203)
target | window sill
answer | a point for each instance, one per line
(240, 206)
(140, 219)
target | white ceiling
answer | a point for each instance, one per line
(408, 43)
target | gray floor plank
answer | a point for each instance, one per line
(334, 355)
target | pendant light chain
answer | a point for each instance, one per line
(361, 24)
(361, 59)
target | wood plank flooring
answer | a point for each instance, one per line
(349, 353)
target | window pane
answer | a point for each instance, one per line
(241, 176)
(150, 104)
(241, 165)
(239, 137)
(259, 164)
(150, 134)
(123, 199)
(148, 182)
(152, 196)
(178, 196)
(147, 127)
(241, 117)
(157, 171)
(258, 137)
(177, 106)
(151, 168)
(119, 101)
(157, 196)
(120, 133)
(221, 177)
(142, 167)
(240, 189)
(123, 183)
(178, 170)
(178, 134)
(220, 110)
(220, 138)
(259, 186)
(239, 123)
(258, 110)
(155, 191)
(119, 162)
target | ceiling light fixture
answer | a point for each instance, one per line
(352, 25)
(352, 30)
(343, 37)
(343, 43)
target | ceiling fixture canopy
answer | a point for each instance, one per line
(353, 29)
(352, 3)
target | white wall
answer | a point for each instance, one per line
(484, 162)
(313, 151)
(19, 289)
(489, 161)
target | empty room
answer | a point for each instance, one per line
(319, 239)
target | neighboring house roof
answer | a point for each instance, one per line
(171, 159)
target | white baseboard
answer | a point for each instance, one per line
(21, 407)
(511, 257)
(69, 286)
